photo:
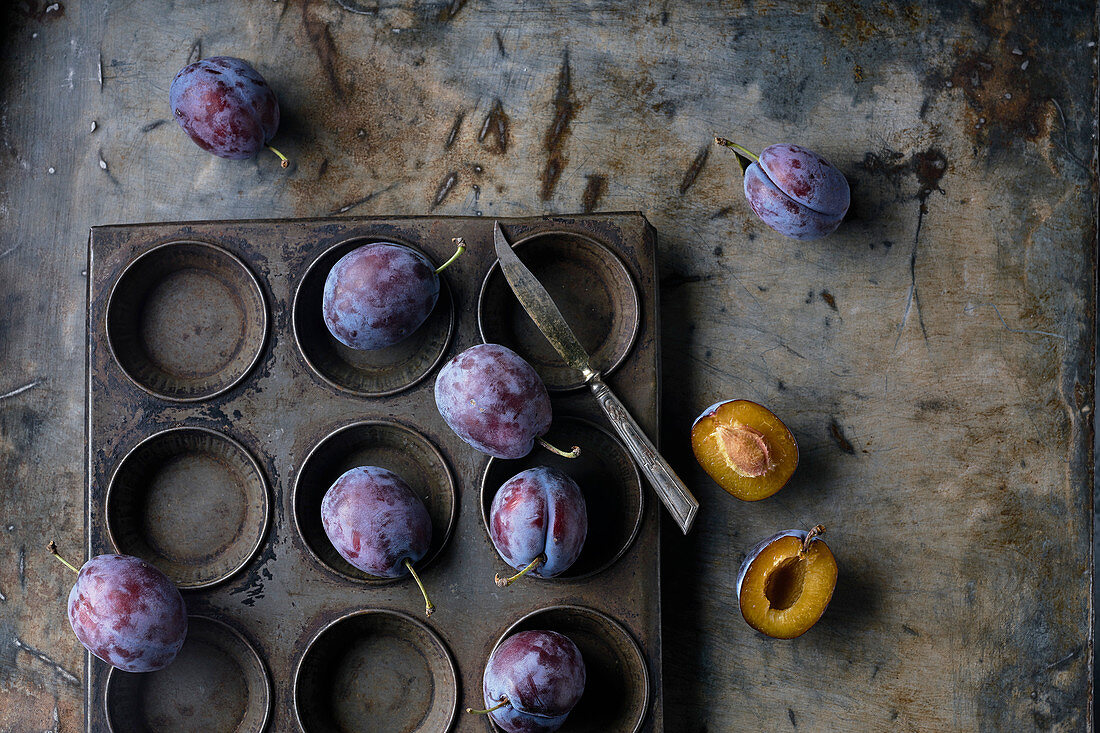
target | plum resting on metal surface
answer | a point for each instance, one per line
(493, 400)
(532, 682)
(127, 613)
(226, 107)
(538, 522)
(793, 190)
(378, 294)
(376, 523)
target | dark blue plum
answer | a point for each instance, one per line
(378, 294)
(493, 400)
(127, 613)
(225, 106)
(540, 674)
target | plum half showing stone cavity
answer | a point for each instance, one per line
(793, 190)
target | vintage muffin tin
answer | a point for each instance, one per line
(220, 410)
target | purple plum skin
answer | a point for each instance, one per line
(796, 192)
(493, 400)
(541, 673)
(127, 613)
(225, 106)
(540, 511)
(378, 294)
(375, 521)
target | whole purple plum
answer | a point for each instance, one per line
(226, 107)
(127, 613)
(793, 190)
(378, 294)
(533, 681)
(493, 400)
(538, 522)
(376, 523)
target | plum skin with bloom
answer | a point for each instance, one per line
(542, 675)
(378, 294)
(375, 521)
(494, 400)
(797, 192)
(127, 613)
(225, 106)
(539, 512)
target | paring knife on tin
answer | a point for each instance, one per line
(540, 306)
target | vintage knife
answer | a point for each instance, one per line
(540, 306)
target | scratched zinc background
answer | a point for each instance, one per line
(934, 357)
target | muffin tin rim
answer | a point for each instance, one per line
(253, 463)
(640, 519)
(618, 263)
(254, 282)
(368, 238)
(268, 687)
(432, 634)
(370, 422)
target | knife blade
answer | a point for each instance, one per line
(549, 320)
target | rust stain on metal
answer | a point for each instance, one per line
(838, 435)
(564, 110)
(593, 192)
(445, 188)
(694, 169)
(495, 129)
(453, 134)
(320, 37)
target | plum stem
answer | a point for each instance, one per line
(52, 547)
(285, 163)
(498, 706)
(744, 151)
(505, 582)
(564, 454)
(812, 535)
(461, 243)
(428, 606)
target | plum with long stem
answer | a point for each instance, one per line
(532, 681)
(793, 190)
(126, 612)
(378, 294)
(376, 523)
(496, 402)
(538, 523)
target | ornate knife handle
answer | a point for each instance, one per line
(671, 490)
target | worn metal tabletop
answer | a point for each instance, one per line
(934, 357)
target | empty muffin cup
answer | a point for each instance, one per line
(616, 690)
(374, 373)
(590, 286)
(216, 683)
(387, 445)
(607, 478)
(186, 321)
(191, 501)
(376, 670)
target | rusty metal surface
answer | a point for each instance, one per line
(304, 432)
(933, 357)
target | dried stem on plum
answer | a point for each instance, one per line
(428, 606)
(285, 163)
(812, 535)
(745, 157)
(505, 582)
(461, 243)
(498, 706)
(575, 453)
(52, 547)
